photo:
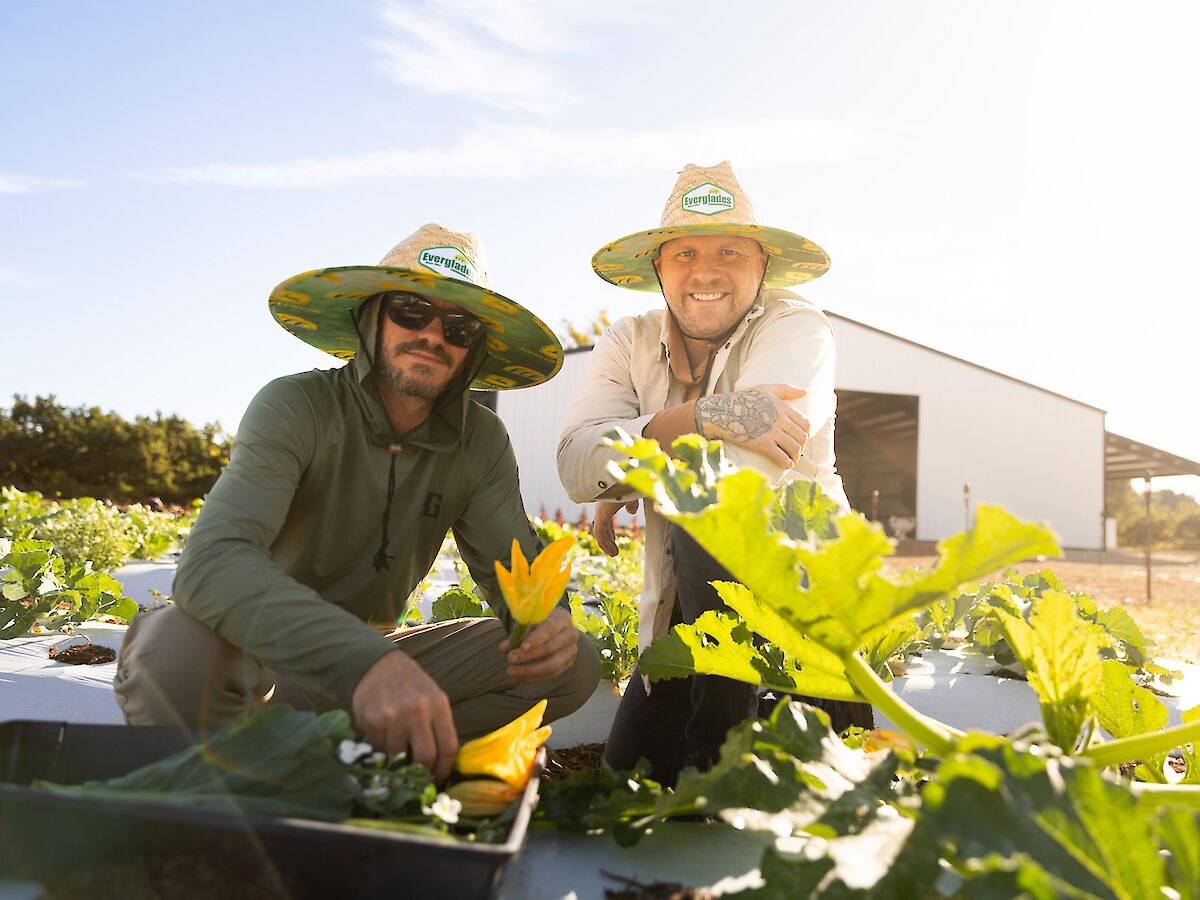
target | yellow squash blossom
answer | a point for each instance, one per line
(507, 753)
(531, 592)
(885, 739)
(483, 796)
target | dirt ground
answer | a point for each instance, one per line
(1171, 617)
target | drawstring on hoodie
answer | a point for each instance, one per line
(382, 559)
(471, 366)
(381, 555)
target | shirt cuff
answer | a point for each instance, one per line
(671, 423)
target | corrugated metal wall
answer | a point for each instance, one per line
(1037, 454)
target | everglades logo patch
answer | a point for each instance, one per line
(449, 261)
(707, 199)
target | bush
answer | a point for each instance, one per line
(89, 453)
(92, 531)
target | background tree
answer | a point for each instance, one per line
(1174, 517)
(86, 452)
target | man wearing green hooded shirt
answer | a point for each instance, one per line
(340, 488)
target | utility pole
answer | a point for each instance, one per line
(874, 506)
(1149, 535)
(967, 506)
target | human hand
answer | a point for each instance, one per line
(602, 523)
(760, 419)
(548, 649)
(399, 709)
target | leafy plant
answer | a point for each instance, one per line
(982, 615)
(87, 531)
(37, 588)
(283, 762)
(611, 622)
(458, 604)
(90, 531)
(1039, 813)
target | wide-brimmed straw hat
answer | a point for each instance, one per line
(709, 200)
(434, 262)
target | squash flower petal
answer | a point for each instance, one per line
(508, 753)
(885, 739)
(532, 591)
(483, 796)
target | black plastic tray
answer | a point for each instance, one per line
(42, 834)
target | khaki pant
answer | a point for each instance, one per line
(172, 670)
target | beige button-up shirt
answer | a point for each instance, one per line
(783, 338)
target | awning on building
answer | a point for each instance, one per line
(1127, 458)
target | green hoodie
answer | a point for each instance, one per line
(282, 559)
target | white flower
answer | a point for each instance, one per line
(350, 752)
(445, 808)
(378, 758)
(376, 792)
(606, 653)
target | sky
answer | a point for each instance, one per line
(1014, 184)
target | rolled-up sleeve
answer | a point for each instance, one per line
(795, 347)
(607, 399)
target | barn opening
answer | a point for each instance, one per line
(876, 447)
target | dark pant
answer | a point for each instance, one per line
(683, 721)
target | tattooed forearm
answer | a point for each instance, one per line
(744, 415)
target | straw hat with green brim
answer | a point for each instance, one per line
(709, 200)
(434, 262)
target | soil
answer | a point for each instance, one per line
(655, 890)
(582, 757)
(1170, 617)
(1002, 672)
(86, 655)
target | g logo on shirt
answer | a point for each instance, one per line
(432, 505)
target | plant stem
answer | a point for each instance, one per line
(1151, 795)
(517, 635)
(932, 734)
(1142, 745)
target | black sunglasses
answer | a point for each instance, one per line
(413, 312)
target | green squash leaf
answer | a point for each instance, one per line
(889, 859)
(276, 762)
(1061, 660)
(457, 604)
(845, 597)
(1179, 831)
(786, 775)
(1122, 708)
(802, 511)
(714, 645)
(1085, 833)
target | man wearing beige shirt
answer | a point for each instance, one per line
(732, 356)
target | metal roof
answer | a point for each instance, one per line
(1127, 458)
(896, 415)
(959, 359)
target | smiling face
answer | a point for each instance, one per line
(417, 363)
(710, 281)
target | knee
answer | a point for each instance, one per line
(172, 670)
(577, 684)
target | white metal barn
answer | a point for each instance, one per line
(919, 433)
